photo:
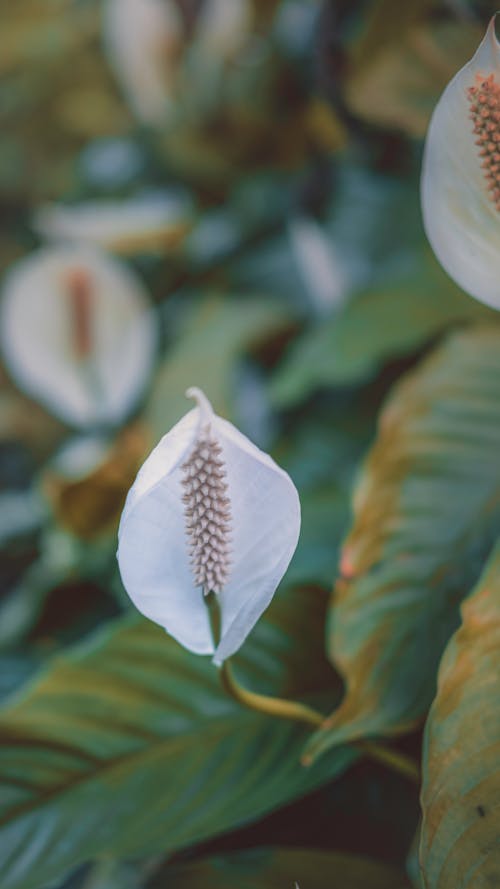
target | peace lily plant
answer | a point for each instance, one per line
(211, 522)
(207, 532)
(461, 175)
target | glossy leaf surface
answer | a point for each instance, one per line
(426, 510)
(128, 746)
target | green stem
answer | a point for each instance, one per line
(282, 708)
(286, 709)
(279, 707)
(393, 759)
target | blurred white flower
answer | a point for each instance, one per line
(461, 175)
(320, 264)
(145, 41)
(208, 512)
(223, 26)
(149, 222)
(77, 334)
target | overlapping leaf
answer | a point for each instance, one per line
(460, 846)
(129, 746)
(278, 868)
(427, 509)
(378, 325)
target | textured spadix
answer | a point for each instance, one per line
(208, 511)
(461, 175)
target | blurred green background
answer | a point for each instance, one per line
(252, 168)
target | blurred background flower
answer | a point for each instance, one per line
(78, 334)
(149, 222)
(226, 192)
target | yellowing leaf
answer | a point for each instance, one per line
(90, 505)
(460, 845)
(426, 509)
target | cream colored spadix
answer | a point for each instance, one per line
(208, 512)
(460, 186)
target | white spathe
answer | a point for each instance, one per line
(153, 542)
(37, 337)
(116, 224)
(460, 218)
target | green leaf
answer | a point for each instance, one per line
(460, 845)
(128, 746)
(384, 323)
(282, 869)
(217, 333)
(426, 510)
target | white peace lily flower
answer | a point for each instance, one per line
(209, 512)
(152, 221)
(461, 175)
(145, 41)
(77, 334)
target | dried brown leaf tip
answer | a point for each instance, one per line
(484, 100)
(208, 513)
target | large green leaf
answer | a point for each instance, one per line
(426, 510)
(460, 845)
(129, 746)
(216, 334)
(389, 321)
(282, 869)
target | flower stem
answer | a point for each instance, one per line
(286, 709)
(279, 707)
(393, 759)
(297, 712)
